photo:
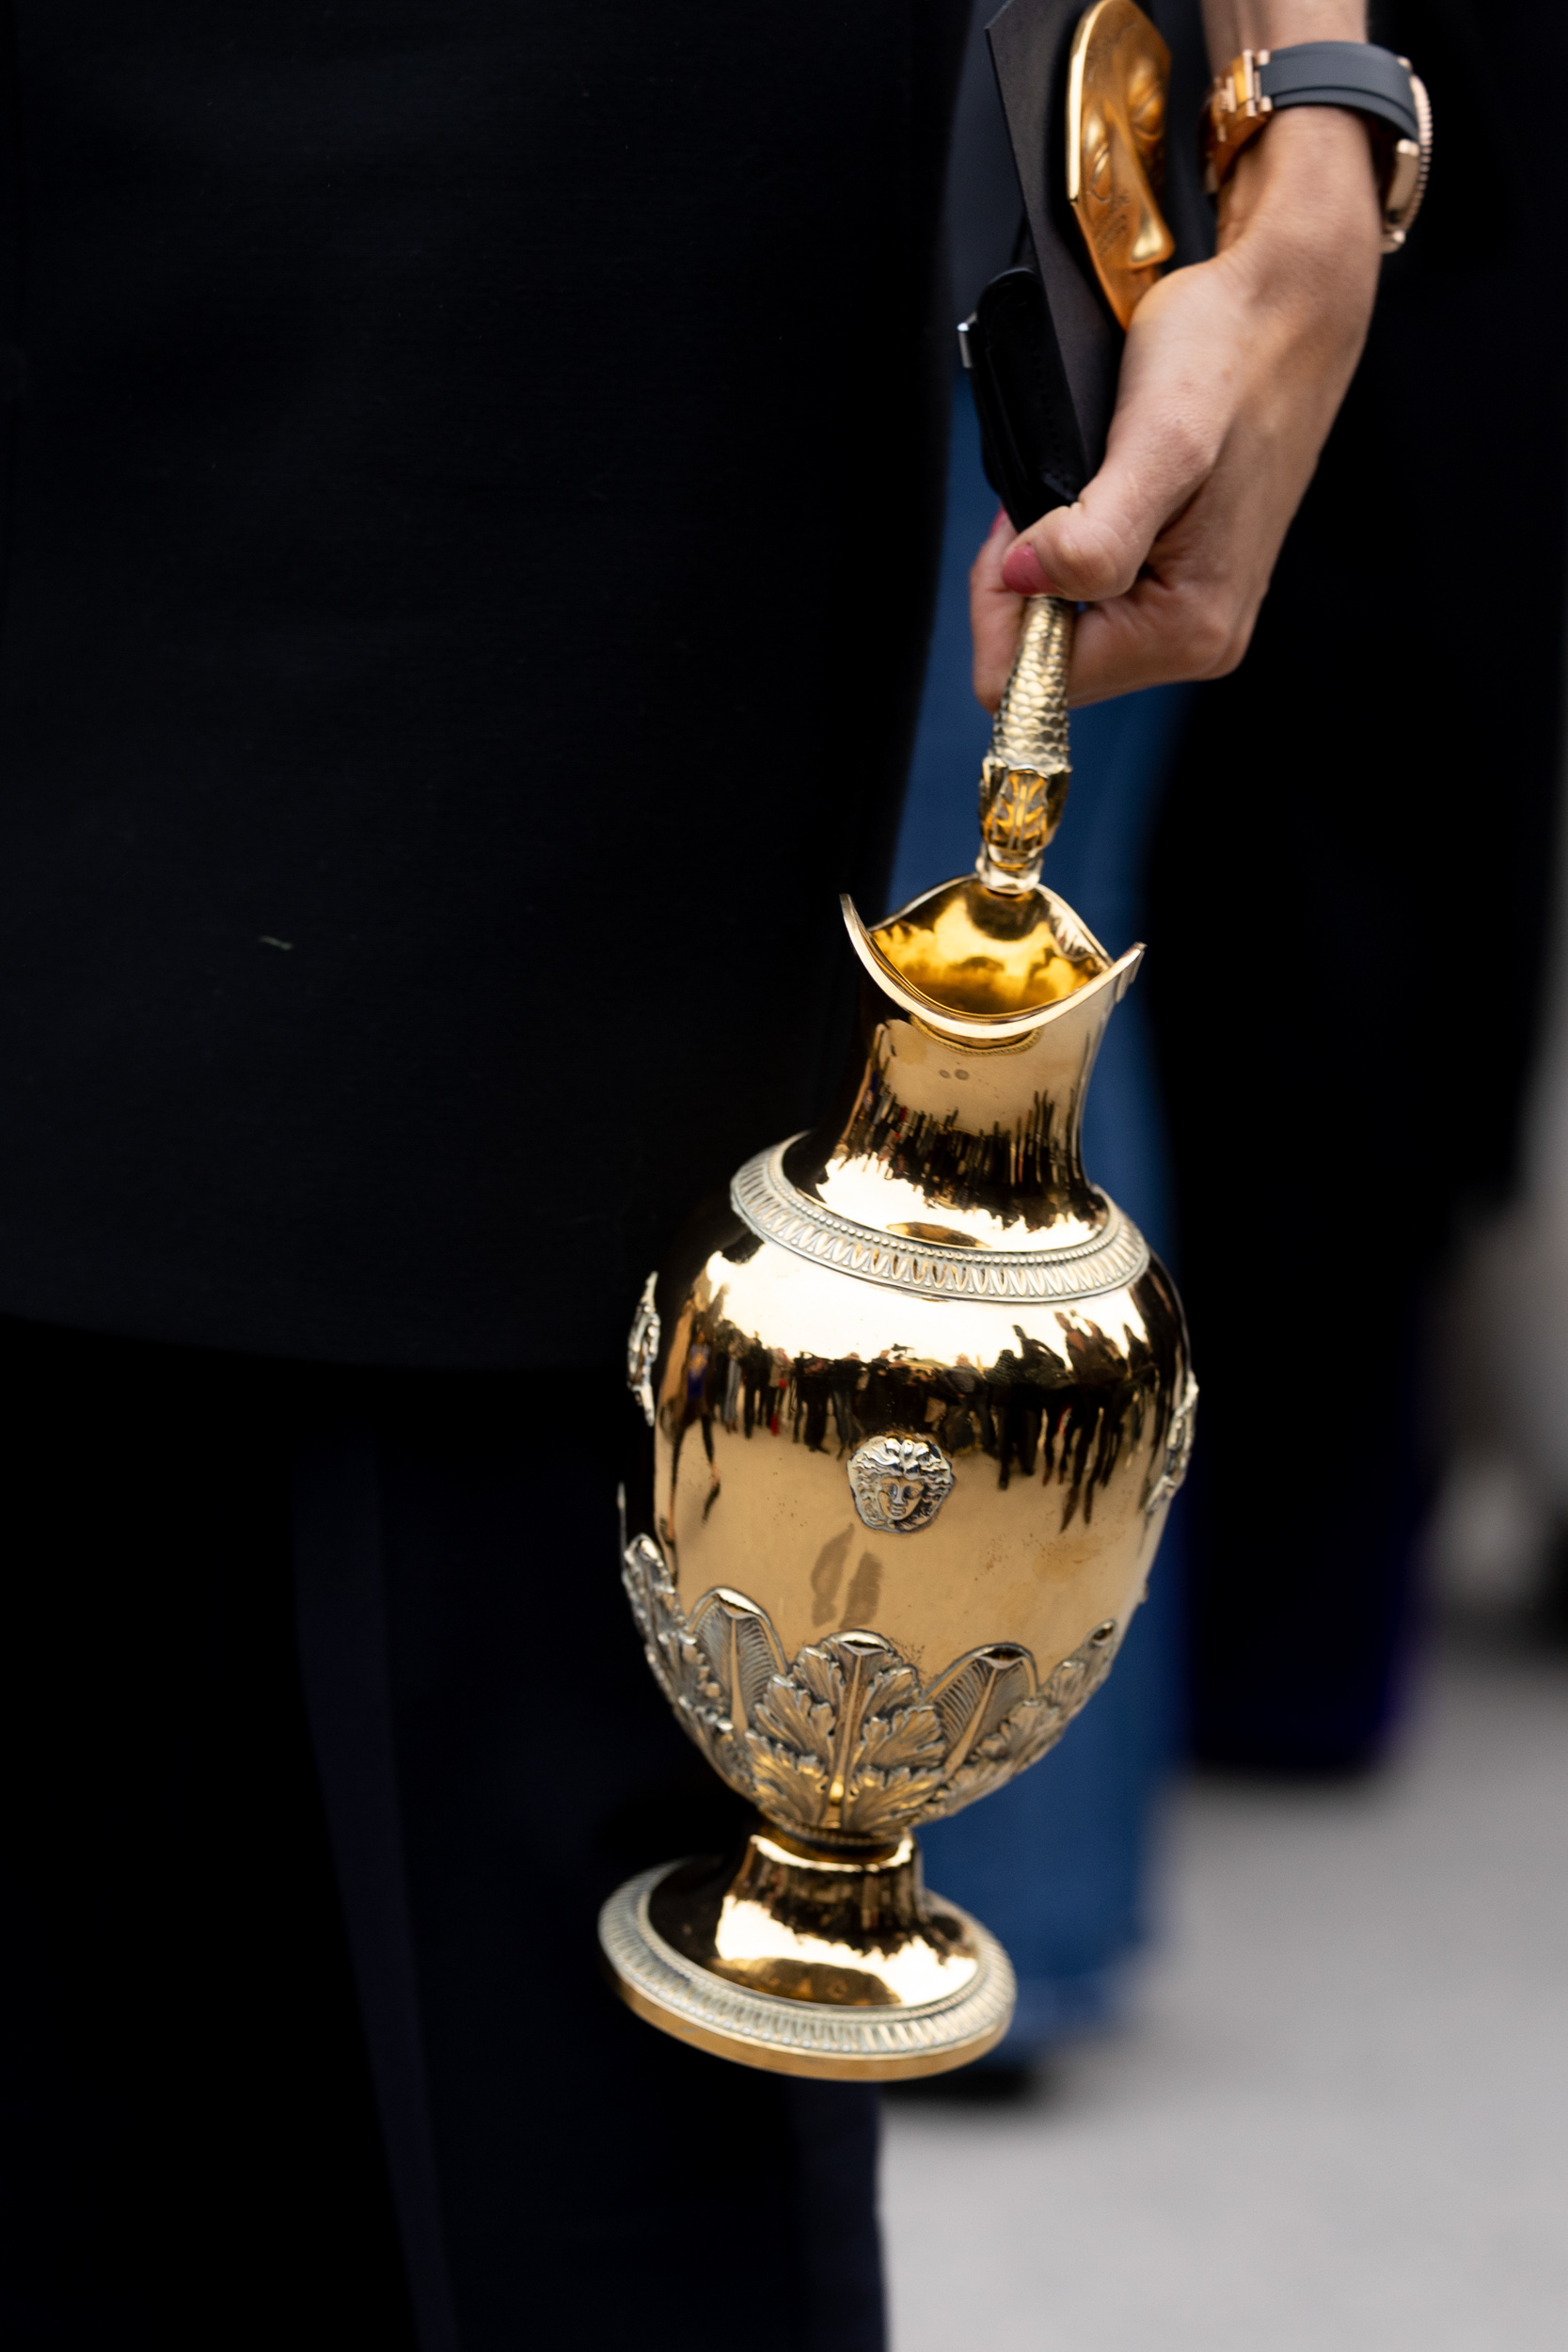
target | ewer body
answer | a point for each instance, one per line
(916, 1399)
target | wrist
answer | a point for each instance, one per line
(1303, 202)
(1260, 86)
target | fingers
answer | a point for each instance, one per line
(995, 615)
(1163, 629)
(1175, 622)
(1153, 637)
(1191, 611)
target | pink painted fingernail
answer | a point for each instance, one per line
(1024, 573)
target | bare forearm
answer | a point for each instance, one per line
(1231, 25)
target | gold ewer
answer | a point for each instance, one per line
(917, 1401)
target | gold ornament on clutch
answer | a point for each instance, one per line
(916, 1401)
(1115, 149)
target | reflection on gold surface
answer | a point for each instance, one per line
(811, 1927)
(1115, 149)
(969, 949)
(817, 1926)
(1055, 1418)
(972, 951)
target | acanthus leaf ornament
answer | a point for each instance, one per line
(643, 1348)
(845, 1745)
(713, 1669)
(1179, 1449)
(844, 1742)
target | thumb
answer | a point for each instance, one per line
(995, 615)
(1087, 553)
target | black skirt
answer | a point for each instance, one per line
(324, 1731)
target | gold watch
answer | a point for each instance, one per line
(1371, 82)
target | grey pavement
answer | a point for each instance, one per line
(1336, 2117)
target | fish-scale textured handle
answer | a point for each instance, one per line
(1024, 777)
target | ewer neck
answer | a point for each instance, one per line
(969, 1140)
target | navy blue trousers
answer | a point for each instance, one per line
(325, 1734)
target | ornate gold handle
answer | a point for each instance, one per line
(1025, 774)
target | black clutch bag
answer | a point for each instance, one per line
(1043, 348)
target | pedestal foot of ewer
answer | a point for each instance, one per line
(810, 1961)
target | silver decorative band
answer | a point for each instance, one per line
(844, 1742)
(763, 1195)
(880, 2043)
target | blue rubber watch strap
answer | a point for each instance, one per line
(1343, 74)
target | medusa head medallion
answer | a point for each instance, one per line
(899, 1484)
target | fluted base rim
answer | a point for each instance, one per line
(811, 2038)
